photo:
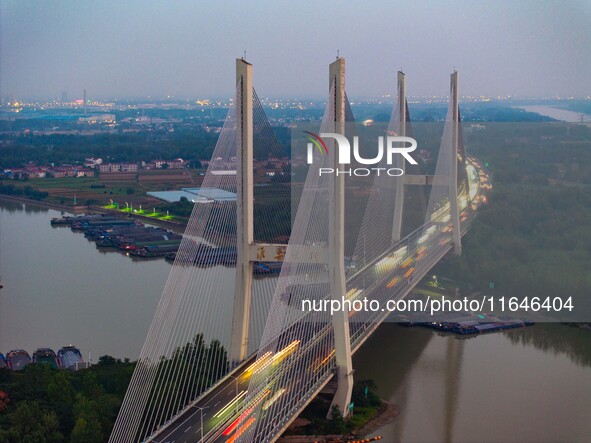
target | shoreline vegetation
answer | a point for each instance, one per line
(41, 403)
(80, 209)
(44, 403)
(369, 412)
(533, 238)
(385, 414)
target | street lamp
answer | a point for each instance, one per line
(236, 380)
(201, 420)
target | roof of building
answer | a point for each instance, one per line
(196, 195)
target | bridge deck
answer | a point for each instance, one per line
(222, 406)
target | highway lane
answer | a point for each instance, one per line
(293, 376)
(186, 427)
(223, 405)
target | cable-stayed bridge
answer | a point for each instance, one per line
(187, 387)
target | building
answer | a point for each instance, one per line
(92, 162)
(196, 195)
(118, 167)
(98, 119)
(178, 163)
(110, 167)
(129, 167)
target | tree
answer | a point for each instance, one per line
(336, 423)
(86, 430)
(88, 426)
(59, 388)
(107, 360)
(4, 400)
(30, 424)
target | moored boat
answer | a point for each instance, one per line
(55, 221)
(266, 268)
(155, 250)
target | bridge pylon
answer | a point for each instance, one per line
(453, 178)
(247, 250)
(336, 249)
(400, 161)
(244, 211)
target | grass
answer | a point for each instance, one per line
(63, 190)
(63, 182)
(124, 197)
(363, 415)
(145, 213)
(426, 292)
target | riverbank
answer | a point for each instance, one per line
(43, 204)
(178, 227)
(384, 415)
(559, 114)
(324, 439)
(60, 289)
(580, 325)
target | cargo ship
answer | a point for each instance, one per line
(93, 224)
(69, 357)
(156, 250)
(266, 268)
(55, 221)
(114, 236)
(472, 327)
(189, 255)
(68, 220)
(216, 256)
(124, 234)
(159, 241)
(17, 359)
(45, 356)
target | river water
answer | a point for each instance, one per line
(556, 113)
(526, 385)
(60, 289)
(532, 384)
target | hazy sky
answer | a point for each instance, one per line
(132, 48)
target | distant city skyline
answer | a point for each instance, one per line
(135, 49)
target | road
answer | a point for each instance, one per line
(223, 411)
